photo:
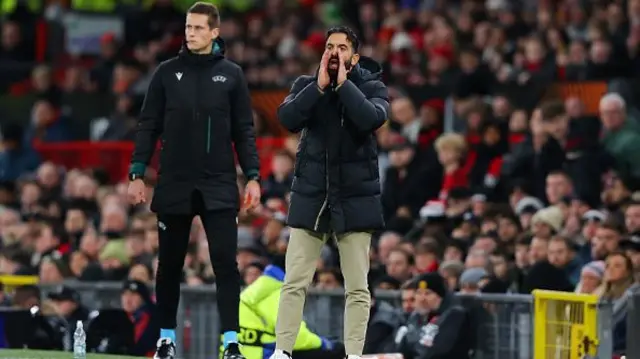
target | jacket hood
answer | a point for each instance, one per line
(270, 281)
(218, 50)
(367, 69)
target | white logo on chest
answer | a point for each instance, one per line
(179, 75)
(219, 78)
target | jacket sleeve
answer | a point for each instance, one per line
(150, 124)
(297, 107)
(367, 109)
(244, 135)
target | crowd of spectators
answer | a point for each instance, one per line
(524, 195)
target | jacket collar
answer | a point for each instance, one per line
(217, 53)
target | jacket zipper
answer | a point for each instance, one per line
(326, 196)
(326, 160)
(208, 134)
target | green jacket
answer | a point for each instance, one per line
(624, 146)
(258, 314)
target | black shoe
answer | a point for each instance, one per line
(232, 352)
(166, 349)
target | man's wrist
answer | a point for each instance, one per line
(135, 177)
(339, 86)
(253, 177)
(137, 171)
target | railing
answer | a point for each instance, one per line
(503, 329)
(114, 157)
(633, 327)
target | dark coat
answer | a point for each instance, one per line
(336, 185)
(531, 167)
(200, 106)
(444, 337)
(384, 321)
(146, 330)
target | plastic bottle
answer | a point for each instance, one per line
(79, 342)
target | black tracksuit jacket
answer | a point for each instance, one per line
(199, 106)
(336, 185)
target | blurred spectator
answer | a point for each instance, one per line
(68, 305)
(620, 136)
(591, 279)
(279, 181)
(619, 285)
(119, 126)
(384, 320)
(13, 46)
(16, 157)
(561, 254)
(472, 280)
(26, 297)
(48, 124)
(137, 303)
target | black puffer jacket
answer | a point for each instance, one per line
(336, 187)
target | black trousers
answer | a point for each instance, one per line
(221, 228)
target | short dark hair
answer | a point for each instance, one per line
(551, 110)
(351, 35)
(562, 173)
(564, 240)
(25, 292)
(337, 274)
(408, 256)
(210, 10)
(427, 248)
(613, 224)
(632, 203)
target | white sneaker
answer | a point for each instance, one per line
(279, 354)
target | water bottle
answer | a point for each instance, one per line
(79, 342)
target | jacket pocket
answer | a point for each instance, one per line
(301, 155)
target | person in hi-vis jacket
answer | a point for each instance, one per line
(258, 315)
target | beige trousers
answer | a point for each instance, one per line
(302, 256)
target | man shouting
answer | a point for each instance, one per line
(336, 186)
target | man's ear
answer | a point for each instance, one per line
(354, 59)
(215, 32)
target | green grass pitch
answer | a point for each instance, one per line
(35, 354)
